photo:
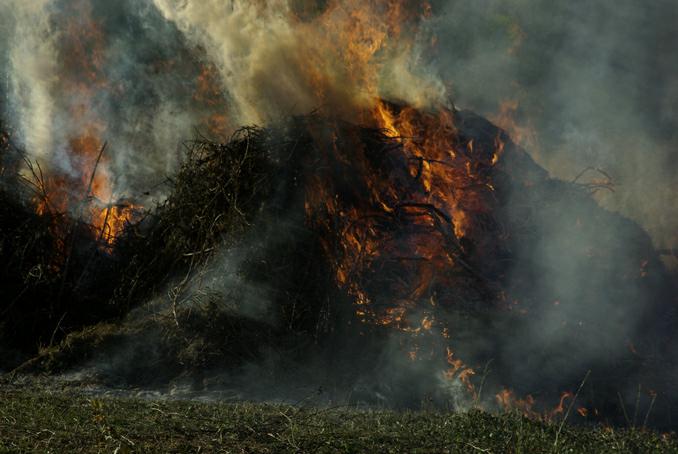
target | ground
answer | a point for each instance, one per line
(35, 418)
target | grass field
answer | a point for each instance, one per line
(41, 419)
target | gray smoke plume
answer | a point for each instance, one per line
(276, 62)
(593, 81)
(109, 72)
(589, 85)
(30, 54)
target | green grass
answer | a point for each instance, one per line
(37, 419)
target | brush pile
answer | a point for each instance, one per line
(333, 243)
(214, 198)
(58, 278)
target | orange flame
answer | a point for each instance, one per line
(522, 133)
(86, 188)
(508, 401)
(209, 93)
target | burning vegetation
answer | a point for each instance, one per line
(387, 246)
(368, 244)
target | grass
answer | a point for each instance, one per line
(39, 419)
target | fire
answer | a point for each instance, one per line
(209, 93)
(508, 401)
(436, 187)
(396, 223)
(521, 133)
(560, 411)
(83, 185)
(360, 35)
(427, 141)
(462, 372)
(560, 408)
(527, 406)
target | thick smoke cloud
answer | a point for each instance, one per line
(30, 54)
(115, 71)
(280, 58)
(595, 81)
(589, 84)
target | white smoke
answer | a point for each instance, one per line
(31, 74)
(274, 64)
(118, 90)
(272, 61)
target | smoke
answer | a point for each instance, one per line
(276, 61)
(590, 81)
(593, 82)
(587, 85)
(31, 54)
(80, 74)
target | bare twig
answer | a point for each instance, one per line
(649, 410)
(594, 185)
(635, 410)
(56, 328)
(482, 381)
(569, 408)
(476, 448)
(94, 170)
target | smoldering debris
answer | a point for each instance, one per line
(324, 255)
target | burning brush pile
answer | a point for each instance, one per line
(415, 256)
(386, 249)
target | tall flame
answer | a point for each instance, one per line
(79, 179)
